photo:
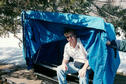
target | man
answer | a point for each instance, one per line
(117, 44)
(75, 49)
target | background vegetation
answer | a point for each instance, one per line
(10, 11)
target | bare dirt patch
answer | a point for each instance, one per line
(11, 74)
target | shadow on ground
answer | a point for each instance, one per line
(17, 72)
(120, 79)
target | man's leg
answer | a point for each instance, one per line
(61, 74)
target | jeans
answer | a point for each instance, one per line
(61, 74)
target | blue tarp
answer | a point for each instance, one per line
(44, 42)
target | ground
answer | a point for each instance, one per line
(11, 74)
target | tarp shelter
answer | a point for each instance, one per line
(43, 41)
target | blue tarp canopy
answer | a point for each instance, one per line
(43, 41)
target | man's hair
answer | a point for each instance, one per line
(68, 30)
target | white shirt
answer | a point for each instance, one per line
(78, 53)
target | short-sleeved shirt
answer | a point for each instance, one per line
(78, 53)
(122, 45)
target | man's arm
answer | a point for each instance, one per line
(117, 44)
(85, 65)
(82, 71)
(112, 44)
(64, 64)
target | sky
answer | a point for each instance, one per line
(11, 53)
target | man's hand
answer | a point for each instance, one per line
(108, 43)
(82, 73)
(64, 66)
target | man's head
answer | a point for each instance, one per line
(70, 34)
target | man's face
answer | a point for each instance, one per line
(70, 37)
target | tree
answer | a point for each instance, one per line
(10, 11)
(114, 15)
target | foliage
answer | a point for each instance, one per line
(10, 11)
(115, 15)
